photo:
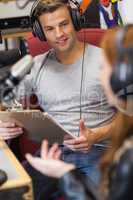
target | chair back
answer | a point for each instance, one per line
(90, 35)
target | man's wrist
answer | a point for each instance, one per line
(92, 137)
(98, 134)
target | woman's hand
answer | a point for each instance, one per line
(49, 163)
(9, 130)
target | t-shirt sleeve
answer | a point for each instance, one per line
(27, 86)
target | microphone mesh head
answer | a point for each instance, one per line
(22, 67)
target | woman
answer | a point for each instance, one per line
(117, 57)
(117, 164)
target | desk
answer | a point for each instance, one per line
(15, 34)
(18, 180)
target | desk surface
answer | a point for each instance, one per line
(15, 33)
(17, 176)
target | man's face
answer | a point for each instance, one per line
(58, 29)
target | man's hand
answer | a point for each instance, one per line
(49, 163)
(9, 130)
(83, 142)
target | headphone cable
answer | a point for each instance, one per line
(82, 78)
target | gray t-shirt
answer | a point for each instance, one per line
(58, 88)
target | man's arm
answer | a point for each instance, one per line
(88, 137)
(101, 133)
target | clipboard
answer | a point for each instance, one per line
(37, 125)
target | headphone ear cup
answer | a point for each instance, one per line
(36, 26)
(37, 31)
(121, 77)
(115, 81)
(77, 19)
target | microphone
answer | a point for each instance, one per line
(12, 78)
(9, 57)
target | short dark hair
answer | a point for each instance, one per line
(46, 6)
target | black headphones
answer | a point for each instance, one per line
(122, 75)
(77, 19)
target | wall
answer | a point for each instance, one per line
(11, 10)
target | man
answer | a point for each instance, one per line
(66, 82)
